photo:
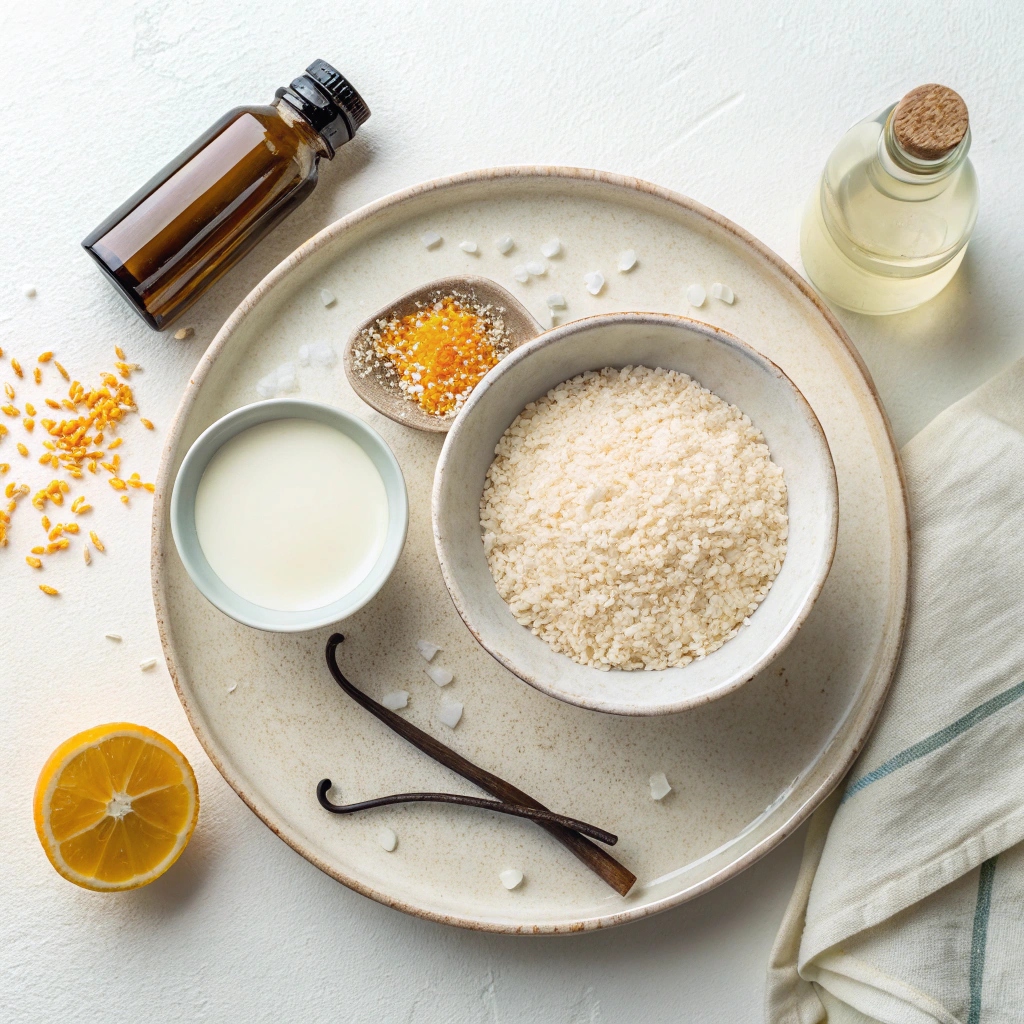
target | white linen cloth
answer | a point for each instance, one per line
(909, 907)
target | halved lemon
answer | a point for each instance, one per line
(115, 806)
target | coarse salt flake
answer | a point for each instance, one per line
(267, 386)
(395, 701)
(287, 378)
(322, 354)
(521, 274)
(552, 247)
(441, 676)
(113, 636)
(723, 292)
(504, 244)
(147, 664)
(659, 786)
(556, 301)
(30, 292)
(232, 687)
(450, 713)
(594, 282)
(431, 239)
(427, 649)
(695, 295)
(327, 298)
(537, 268)
(627, 261)
(184, 333)
(387, 839)
(511, 877)
(468, 246)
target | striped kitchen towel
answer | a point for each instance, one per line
(909, 907)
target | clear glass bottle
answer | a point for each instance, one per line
(889, 224)
(213, 202)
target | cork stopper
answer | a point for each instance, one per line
(930, 121)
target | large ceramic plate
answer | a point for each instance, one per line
(746, 769)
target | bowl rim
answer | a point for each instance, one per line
(182, 514)
(553, 337)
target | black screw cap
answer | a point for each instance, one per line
(341, 91)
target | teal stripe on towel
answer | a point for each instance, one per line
(980, 938)
(936, 740)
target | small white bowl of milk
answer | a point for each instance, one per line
(289, 515)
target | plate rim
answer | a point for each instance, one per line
(896, 502)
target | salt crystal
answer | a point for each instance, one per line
(267, 387)
(396, 700)
(594, 282)
(723, 292)
(304, 355)
(232, 687)
(468, 246)
(556, 301)
(113, 636)
(537, 268)
(550, 248)
(659, 786)
(450, 713)
(553, 317)
(430, 239)
(521, 274)
(387, 839)
(627, 261)
(30, 291)
(441, 676)
(147, 664)
(184, 333)
(322, 354)
(695, 295)
(286, 377)
(327, 298)
(427, 649)
(504, 244)
(511, 877)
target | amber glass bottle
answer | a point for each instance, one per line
(210, 205)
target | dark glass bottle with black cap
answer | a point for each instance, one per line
(210, 205)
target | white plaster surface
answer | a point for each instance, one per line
(736, 104)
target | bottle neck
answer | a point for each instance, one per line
(302, 127)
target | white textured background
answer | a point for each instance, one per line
(736, 104)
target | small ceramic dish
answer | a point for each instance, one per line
(382, 393)
(183, 526)
(729, 368)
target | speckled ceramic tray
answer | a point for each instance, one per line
(746, 769)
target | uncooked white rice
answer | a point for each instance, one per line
(632, 519)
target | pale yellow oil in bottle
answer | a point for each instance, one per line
(885, 231)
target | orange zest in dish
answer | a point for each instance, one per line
(440, 352)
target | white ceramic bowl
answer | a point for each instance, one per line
(183, 524)
(732, 370)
